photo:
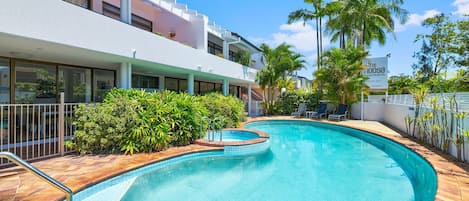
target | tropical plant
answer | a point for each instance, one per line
(400, 84)
(319, 12)
(290, 100)
(229, 108)
(445, 47)
(131, 121)
(280, 62)
(243, 57)
(364, 21)
(341, 74)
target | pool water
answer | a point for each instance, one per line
(305, 162)
(233, 135)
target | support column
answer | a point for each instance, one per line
(190, 84)
(386, 97)
(126, 75)
(226, 50)
(226, 87)
(249, 100)
(126, 11)
(161, 82)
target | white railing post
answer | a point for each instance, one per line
(61, 124)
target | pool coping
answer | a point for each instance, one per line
(261, 137)
(452, 175)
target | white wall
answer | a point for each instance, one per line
(372, 111)
(60, 22)
(394, 115)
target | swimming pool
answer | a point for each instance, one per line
(306, 161)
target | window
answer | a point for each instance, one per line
(206, 87)
(183, 86)
(35, 82)
(142, 23)
(82, 3)
(196, 87)
(111, 11)
(171, 84)
(234, 91)
(232, 56)
(103, 81)
(145, 82)
(218, 87)
(214, 48)
(137, 21)
(75, 83)
(4, 81)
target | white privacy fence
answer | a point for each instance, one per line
(397, 108)
(462, 98)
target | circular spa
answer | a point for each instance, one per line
(306, 161)
(232, 136)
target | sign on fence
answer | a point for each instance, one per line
(377, 72)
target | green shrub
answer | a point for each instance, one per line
(133, 120)
(184, 117)
(289, 101)
(229, 108)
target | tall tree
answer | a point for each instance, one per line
(364, 21)
(318, 12)
(445, 47)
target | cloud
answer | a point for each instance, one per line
(302, 37)
(462, 7)
(416, 19)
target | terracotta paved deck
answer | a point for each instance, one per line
(78, 172)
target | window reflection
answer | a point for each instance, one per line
(148, 83)
(75, 83)
(103, 82)
(171, 84)
(35, 83)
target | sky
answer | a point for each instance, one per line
(265, 21)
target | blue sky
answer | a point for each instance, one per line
(264, 21)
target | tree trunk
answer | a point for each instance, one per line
(320, 39)
(317, 43)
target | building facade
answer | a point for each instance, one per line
(86, 47)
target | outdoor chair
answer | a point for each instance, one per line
(300, 111)
(340, 114)
(320, 113)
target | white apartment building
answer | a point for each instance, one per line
(86, 47)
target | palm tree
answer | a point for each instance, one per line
(279, 62)
(364, 21)
(306, 15)
(340, 74)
